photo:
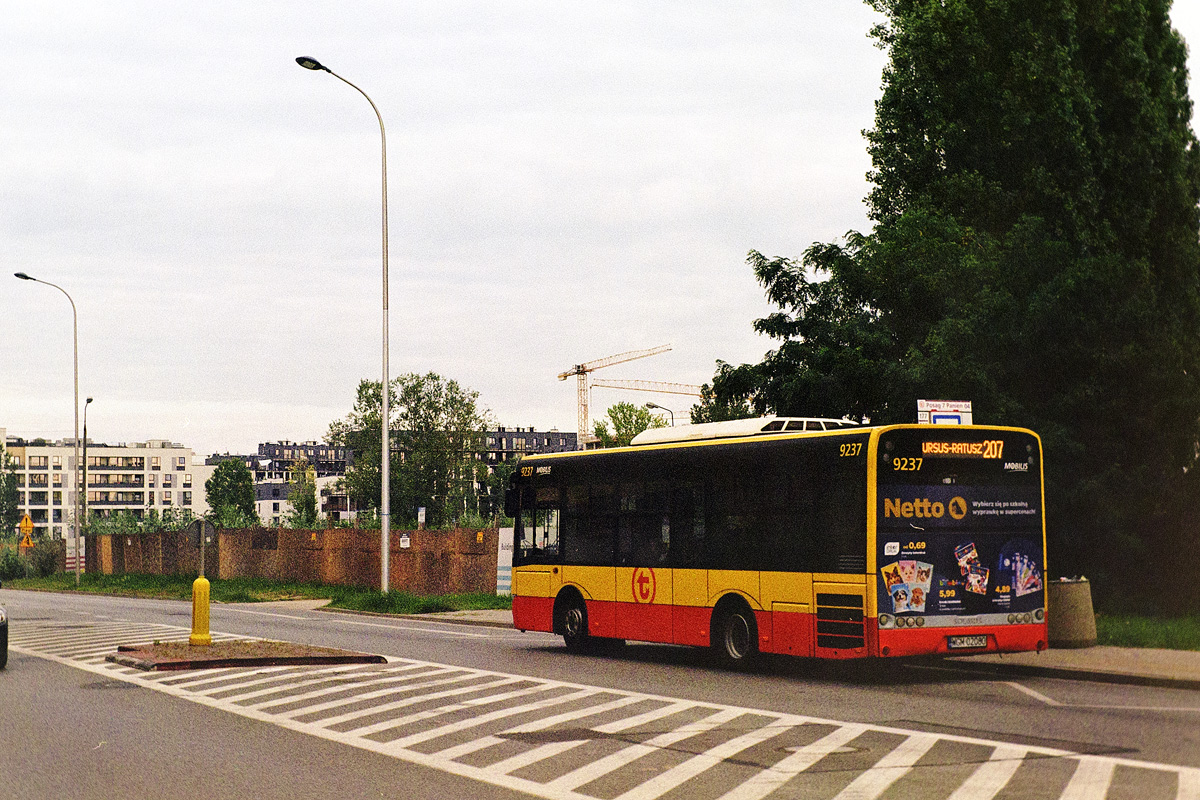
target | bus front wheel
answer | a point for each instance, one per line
(573, 625)
(735, 636)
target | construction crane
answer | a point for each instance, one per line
(661, 387)
(582, 370)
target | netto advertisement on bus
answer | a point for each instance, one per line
(959, 550)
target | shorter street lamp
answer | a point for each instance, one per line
(663, 408)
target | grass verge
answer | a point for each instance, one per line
(1171, 633)
(255, 590)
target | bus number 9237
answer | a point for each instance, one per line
(787, 536)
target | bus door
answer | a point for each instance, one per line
(643, 582)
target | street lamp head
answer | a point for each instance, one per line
(311, 63)
(23, 276)
(88, 401)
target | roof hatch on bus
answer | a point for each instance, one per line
(740, 427)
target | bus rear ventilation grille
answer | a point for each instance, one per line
(840, 621)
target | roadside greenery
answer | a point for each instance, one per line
(1123, 630)
(626, 421)
(10, 511)
(437, 449)
(254, 590)
(230, 492)
(38, 562)
(1034, 249)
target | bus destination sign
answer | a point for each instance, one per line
(987, 448)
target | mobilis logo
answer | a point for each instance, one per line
(1016, 466)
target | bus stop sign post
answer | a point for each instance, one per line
(200, 531)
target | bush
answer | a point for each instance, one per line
(42, 560)
(11, 565)
(39, 562)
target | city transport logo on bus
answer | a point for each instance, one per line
(643, 585)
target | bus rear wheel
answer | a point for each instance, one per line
(735, 637)
(573, 625)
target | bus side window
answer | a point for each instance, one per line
(685, 526)
(587, 532)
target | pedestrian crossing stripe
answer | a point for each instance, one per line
(538, 731)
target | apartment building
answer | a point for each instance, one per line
(156, 474)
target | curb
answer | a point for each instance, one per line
(482, 623)
(152, 665)
(1063, 673)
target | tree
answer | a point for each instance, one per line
(438, 443)
(1035, 250)
(230, 493)
(627, 421)
(302, 496)
(730, 404)
(10, 508)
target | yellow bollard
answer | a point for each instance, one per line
(200, 635)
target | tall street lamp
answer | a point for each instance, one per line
(75, 326)
(385, 485)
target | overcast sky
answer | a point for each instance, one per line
(566, 181)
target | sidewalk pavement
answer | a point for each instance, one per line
(1127, 665)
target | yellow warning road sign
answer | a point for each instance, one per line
(26, 526)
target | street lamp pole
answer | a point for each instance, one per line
(86, 403)
(75, 339)
(385, 477)
(663, 408)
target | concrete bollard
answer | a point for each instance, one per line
(1070, 620)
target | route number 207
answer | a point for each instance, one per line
(850, 449)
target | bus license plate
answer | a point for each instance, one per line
(967, 642)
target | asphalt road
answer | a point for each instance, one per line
(69, 729)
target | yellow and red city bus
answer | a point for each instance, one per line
(812, 538)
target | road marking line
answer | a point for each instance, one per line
(627, 755)
(1134, 708)
(889, 769)
(1036, 695)
(770, 779)
(666, 781)
(541, 752)
(650, 716)
(535, 755)
(372, 695)
(1091, 779)
(483, 719)
(992, 775)
(1189, 782)
(411, 701)
(1093, 773)
(227, 609)
(398, 627)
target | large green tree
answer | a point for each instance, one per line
(438, 444)
(302, 495)
(625, 421)
(1035, 250)
(230, 494)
